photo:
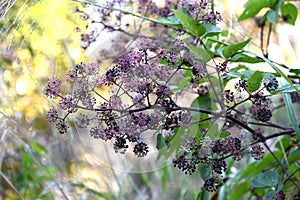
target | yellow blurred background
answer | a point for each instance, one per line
(38, 40)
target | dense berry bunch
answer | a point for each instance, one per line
(222, 68)
(240, 85)
(257, 152)
(228, 96)
(261, 113)
(211, 184)
(271, 84)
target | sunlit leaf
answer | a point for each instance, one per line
(224, 134)
(172, 21)
(289, 13)
(244, 58)
(211, 29)
(223, 193)
(276, 68)
(213, 131)
(272, 16)
(201, 53)
(254, 81)
(286, 88)
(190, 24)
(254, 6)
(203, 102)
(230, 50)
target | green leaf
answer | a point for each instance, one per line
(190, 24)
(289, 105)
(172, 21)
(37, 148)
(145, 179)
(202, 102)
(265, 179)
(205, 172)
(277, 69)
(230, 50)
(295, 71)
(254, 81)
(194, 130)
(241, 71)
(289, 13)
(240, 190)
(283, 143)
(224, 134)
(164, 178)
(211, 29)
(272, 16)
(286, 89)
(224, 192)
(190, 194)
(259, 192)
(161, 143)
(213, 131)
(269, 195)
(254, 6)
(201, 53)
(294, 156)
(179, 85)
(204, 195)
(176, 141)
(255, 168)
(245, 58)
(269, 76)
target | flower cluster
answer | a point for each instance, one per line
(52, 89)
(140, 97)
(147, 83)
